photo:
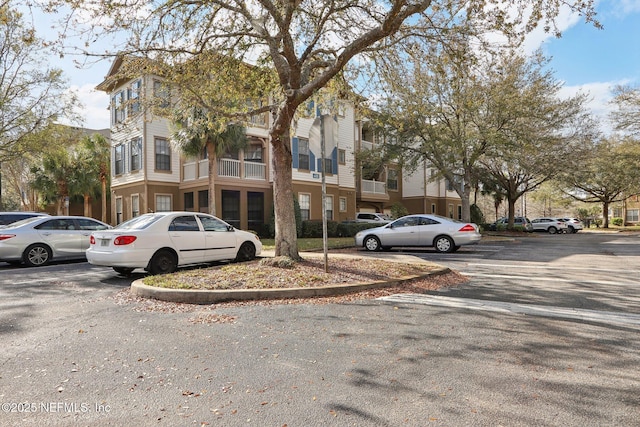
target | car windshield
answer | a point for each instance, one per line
(139, 222)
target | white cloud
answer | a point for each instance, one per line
(95, 106)
(600, 95)
(565, 20)
(628, 6)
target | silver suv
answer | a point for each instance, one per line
(377, 218)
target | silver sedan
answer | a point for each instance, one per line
(422, 230)
(38, 240)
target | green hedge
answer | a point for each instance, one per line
(313, 229)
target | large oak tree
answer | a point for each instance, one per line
(306, 43)
(609, 174)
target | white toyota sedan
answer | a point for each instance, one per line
(38, 240)
(444, 234)
(160, 242)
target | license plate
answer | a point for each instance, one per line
(104, 242)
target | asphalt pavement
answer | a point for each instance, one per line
(77, 351)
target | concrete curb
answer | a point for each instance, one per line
(201, 296)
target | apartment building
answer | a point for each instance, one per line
(148, 174)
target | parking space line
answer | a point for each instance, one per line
(608, 317)
(550, 279)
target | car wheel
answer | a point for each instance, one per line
(247, 252)
(125, 271)
(163, 262)
(552, 230)
(37, 255)
(572, 230)
(372, 243)
(443, 244)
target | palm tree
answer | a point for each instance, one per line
(194, 133)
(52, 178)
(98, 149)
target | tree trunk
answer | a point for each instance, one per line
(211, 159)
(286, 239)
(103, 183)
(465, 200)
(87, 205)
(605, 215)
(512, 212)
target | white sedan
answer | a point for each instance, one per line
(38, 240)
(160, 242)
(444, 234)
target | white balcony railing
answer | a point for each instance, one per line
(374, 187)
(229, 168)
(203, 168)
(195, 170)
(366, 145)
(253, 170)
(189, 171)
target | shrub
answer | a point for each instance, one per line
(398, 210)
(349, 229)
(618, 222)
(476, 214)
(314, 229)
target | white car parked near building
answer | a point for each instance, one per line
(160, 242)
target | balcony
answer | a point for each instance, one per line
(373, 187)
(372, 190)
(366, 145)
(195, 170)
(232, 168)
(227, 168)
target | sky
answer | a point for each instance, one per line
(585, 58)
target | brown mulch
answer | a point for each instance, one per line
(309, 272)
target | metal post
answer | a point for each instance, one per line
(324, 196)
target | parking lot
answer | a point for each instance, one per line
(544, 333)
